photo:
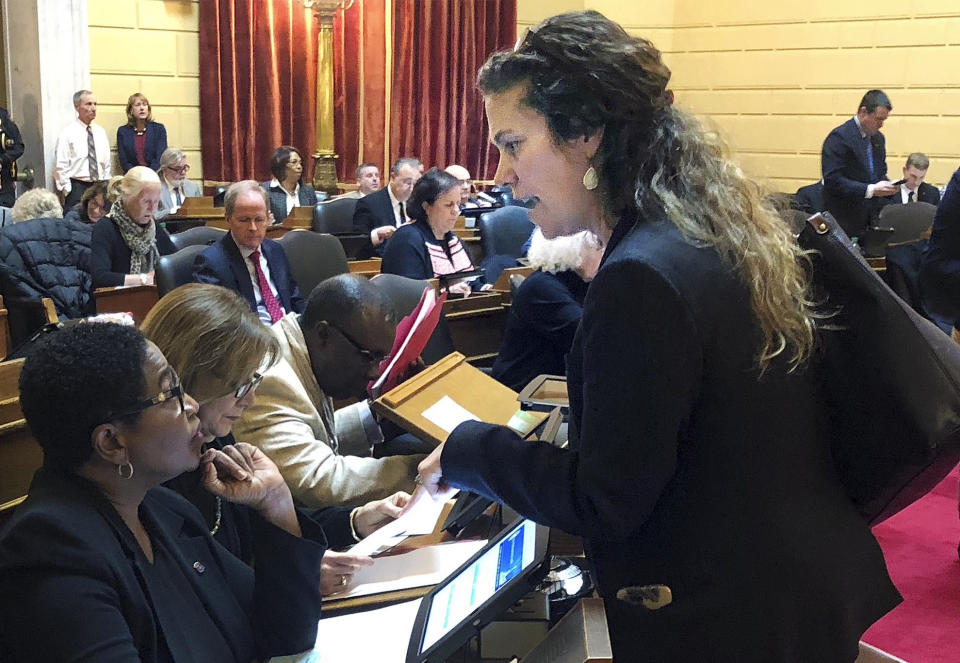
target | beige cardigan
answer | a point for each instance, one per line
(285, 422)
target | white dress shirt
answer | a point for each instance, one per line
(293, 199)
(71, 154)
(905, 194)
(262, 312)
(395, 206)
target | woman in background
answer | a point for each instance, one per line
(141, 141)
(127, 243)
(287, 189)
(427, 247)
(92, 205)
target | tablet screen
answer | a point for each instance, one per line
(476, 584)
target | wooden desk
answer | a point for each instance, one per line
(476, 325)
(300, 217)
(5, 344)
(137, 300)
(20, 455)
(368, 268)
(503, 282)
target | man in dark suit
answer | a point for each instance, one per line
(246, 262)
(11, 149)
(914, 189)
(380, 214)
(854, 166)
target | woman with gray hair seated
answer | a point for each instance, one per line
(36, 204)
(127, 243)
(547, 308)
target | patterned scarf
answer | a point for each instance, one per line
(141, 240)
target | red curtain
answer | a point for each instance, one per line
(436, 109)
(258, 72)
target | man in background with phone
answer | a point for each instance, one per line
(854, 166)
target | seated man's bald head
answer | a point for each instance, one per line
(342, 300)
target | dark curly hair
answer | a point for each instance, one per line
(74, 380)
(428, 188)
(280, 159)
(585, 74)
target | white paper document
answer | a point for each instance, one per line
(416, 568)
(448, 414)
(380, 636)
(419, 517)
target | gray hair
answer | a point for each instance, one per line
(561, 253)
(239, 188)
(134, 182)
(36, 204)
(918, 160)
(78, 96)
(170, 156)
(413, 162)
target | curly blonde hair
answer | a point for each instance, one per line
(585, 75)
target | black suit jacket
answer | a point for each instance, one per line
(689, 469)
(222, 264)
(843, 161)
(8, 156)
(74, 590)
(927, 193)
(156, 143)
(110, 255)
(278, 199)
(940, 272)
(373, 211)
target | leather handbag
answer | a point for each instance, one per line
(890, 380)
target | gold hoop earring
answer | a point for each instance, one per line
(122, 474)
(590, 179)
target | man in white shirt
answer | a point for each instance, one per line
(82, 152)
(246, 262)
(174, 185)
(381, 213)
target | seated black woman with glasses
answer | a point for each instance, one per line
(218, 362)
(101, 563)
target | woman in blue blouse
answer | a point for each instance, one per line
(427, 247)
(141, 141)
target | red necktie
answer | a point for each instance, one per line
(269, 301)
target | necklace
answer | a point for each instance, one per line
(140, 132)
(216, 525)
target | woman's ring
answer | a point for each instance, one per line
(418, 480)
(343, 580)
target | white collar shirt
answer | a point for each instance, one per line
(293, 199)
(71, 154)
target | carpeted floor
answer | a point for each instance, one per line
(920, 546)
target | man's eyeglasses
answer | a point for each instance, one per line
(180, 170)
(248, 386)
(369, 356)
(176, 391)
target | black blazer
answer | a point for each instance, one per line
(843, 161)
(373, 211)
(110, 255)
(689, 469)
(222, 264)
(278, 199)
(940, 271)
(543, 319)
(927, 193)
(156, 143)
(74, 587)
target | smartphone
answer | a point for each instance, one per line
(899, 182)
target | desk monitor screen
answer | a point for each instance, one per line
(475, 594)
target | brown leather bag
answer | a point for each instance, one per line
(891, 380)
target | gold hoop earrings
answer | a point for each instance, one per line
(590, 179)
(125, 474)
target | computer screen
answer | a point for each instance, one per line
(477, 583)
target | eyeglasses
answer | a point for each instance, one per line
(369, 356)
(248, 386)
(179, 169)
(176, 391)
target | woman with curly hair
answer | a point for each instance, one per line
(698, 471)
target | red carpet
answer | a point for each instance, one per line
(920, 546)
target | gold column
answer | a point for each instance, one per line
(325, 157)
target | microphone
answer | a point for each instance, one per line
(528, 203)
